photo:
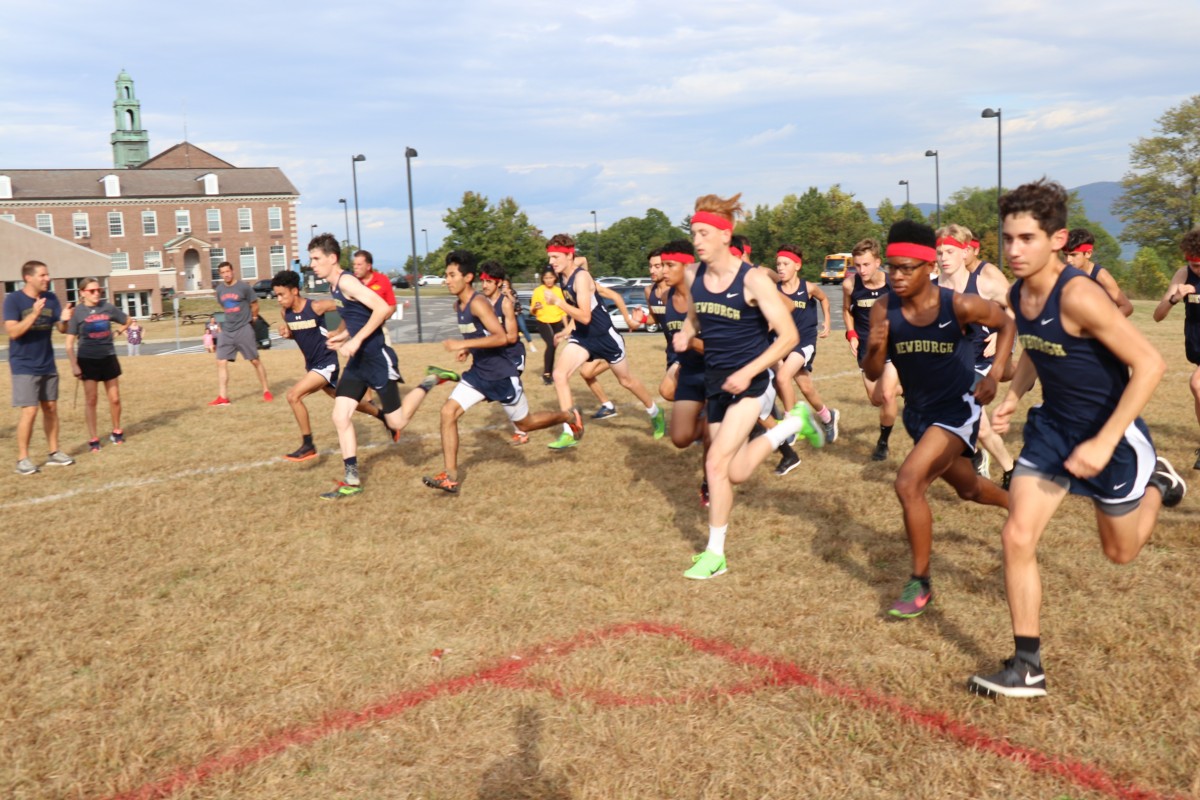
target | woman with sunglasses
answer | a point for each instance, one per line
(90, 331)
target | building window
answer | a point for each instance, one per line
(116, 223)
(183, 222)
(152, 259)
(278, 257)
(45, 223)
(11, 287)
(120, 260)
(214, 220)
(244, 220)
(8, 217)
(248, 259)
(215, 256)
(72, 285)
(149, 223)
(275, 219)
(79, 223)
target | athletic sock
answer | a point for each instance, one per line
(351, 462)
(567, 429)
(824, 414)
(1029, 649)
(716, 539)
(925, 582)
(652, 409)
(308, 440)
(885, 433)
(784, 431)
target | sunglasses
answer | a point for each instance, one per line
(91, 291)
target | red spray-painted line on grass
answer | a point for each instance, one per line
(508, 674)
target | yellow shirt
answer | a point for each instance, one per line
(545, 312)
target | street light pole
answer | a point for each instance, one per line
(906, 200)
(312, 231)
(596, 229)
(937, 183)
(409, 155)
(988, 114)
(357, 226)
(426, 243)
(346, 209)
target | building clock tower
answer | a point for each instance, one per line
(130, 142)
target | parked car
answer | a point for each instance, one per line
(635, 302)
(262, 333)
(401, 282)
(431, 280)
(612, 281)
(262, 289)
(645, 280)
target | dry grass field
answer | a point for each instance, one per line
(184, 618)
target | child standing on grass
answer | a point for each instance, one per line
(133, 338)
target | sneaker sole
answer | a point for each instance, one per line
(30, 472)
(787, 469)
(985, 688)
(721, 571)
(339, 494)
(1165, 468)
(901, 615)
(432, 484)
(305, 457)
(59, 464)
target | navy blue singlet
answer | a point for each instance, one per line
(934, 361)
(310, 335)
(487, 363)
(804, 313)
(735, 332)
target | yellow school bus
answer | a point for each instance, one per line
(834, 270)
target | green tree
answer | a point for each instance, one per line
(1162, 190)
(624, 245)
(502, 232)
(1146, 277)
(818, 222)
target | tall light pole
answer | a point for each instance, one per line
(346, 209)
(426, 243)
(937, 184)
(906, 202)
(596, 230)
(354, 172)
(988, 114)
(312, 231)
(409, 155)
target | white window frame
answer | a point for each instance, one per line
(186, 227)
(152, 218)
(274, 218)
(215, 256)
(44, 223)
(116, 224)
(152, 259)
(209, 214)
(248, 263)
(278, 257)
(9, 218)
(71, 289)
(81, 231)
(120, 261)
(245, 221)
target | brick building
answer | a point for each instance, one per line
(164, 222)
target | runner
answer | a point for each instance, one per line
(1097, 372)
(735, 305)
(859, 292)
(591, 371)
(1080, 245)
(1185, 288)
(803, 296)
(496, 287)
(591, 338)
(925, 331)
(91, 326)
(237, 332)
(304, 323)
(493, 376)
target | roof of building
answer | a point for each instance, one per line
(185, 155)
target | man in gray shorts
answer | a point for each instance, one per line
(237, 334)
(30, 317)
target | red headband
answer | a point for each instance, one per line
(950, 240)
(709, 218)
(911, 250)
(679, 258)
(554, 248)
(975, 243)
(789, 254)
(737, 251)
(483, 276)
(1084, 248)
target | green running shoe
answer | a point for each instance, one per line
(706, 565)
(442, 375)
(660, 424)
(810, 427)
(564, 441)
(913, 601)
(342, 490)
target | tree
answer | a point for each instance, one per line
(1146, 276)
(819, 223)
(502, 232)
(1162, 191)
(625, 245)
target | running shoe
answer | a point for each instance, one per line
(59, 459)
(1006, 479)
(788, 463)
(519, 438)
(268, 397)
(117, 437)
(26, 467)
(220, 401)
(604, 412)
(704, 499)
(564, 441)
(982, 462)
(913, 602)
(660, 424)
(576, 423)
(1018, 678)
(306, 453)
(1197, 464)
(706, 565)
(93, 445)
(441, 481)
(442, 375)
(548, 380)
(831, 427)
(342, 490)
(530, 346)
(809, 429)
(1167, 480)
(881, 451)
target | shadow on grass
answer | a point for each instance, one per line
(521, 776)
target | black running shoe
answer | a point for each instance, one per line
(788, 463)
(1197, 464)
(881, 451)
(1167, 480)
(306, 452)
(1018, 678)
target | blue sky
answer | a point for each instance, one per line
(616, 107)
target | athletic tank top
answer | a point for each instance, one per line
(735, 332)
(487, 363)
(310, 335)
(804, 312)
(861, 300)
(979, 333)
(1095, 273)
(515, 352)
(600, 324)
(356, 316)
(1082, 380)
(934, 361)
(1191, 313)
(689, 361)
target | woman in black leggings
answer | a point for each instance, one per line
(550, 320)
